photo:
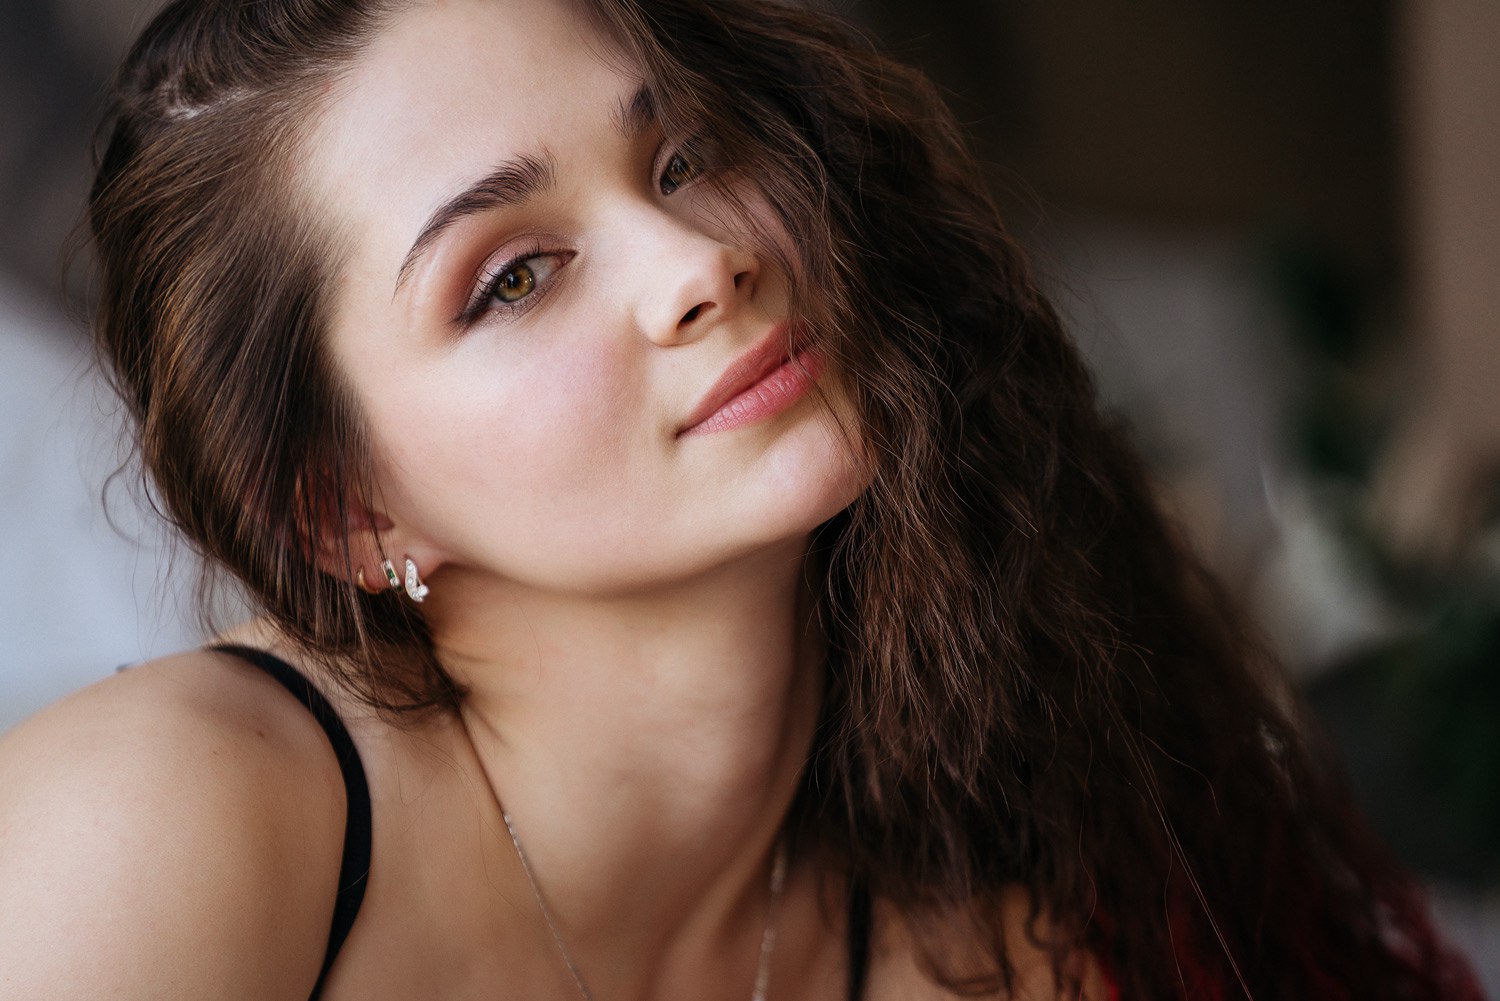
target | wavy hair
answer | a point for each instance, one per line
(1031, 680)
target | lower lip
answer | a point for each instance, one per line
(767, 398)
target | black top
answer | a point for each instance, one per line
(355, 867)
(356, 864)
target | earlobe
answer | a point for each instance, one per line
(349, 540)
(415, 589)
(413, 585)
(369, 541)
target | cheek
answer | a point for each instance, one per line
(570, 420)
(539, 444)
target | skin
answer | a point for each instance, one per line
(627, 606)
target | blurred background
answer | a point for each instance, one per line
(1275, 230)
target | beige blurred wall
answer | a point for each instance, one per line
(1442, 477)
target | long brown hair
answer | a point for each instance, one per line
(1031, 680)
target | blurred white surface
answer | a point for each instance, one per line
(84, 596)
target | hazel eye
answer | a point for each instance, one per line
(520, 277)
(678, 171)
(515, 286)
(516, 283)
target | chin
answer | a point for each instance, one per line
(818, 477)
(804, 478)
(685, 555)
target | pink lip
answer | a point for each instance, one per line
(760, 383)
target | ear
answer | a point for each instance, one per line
(350, 539)
(331, 518)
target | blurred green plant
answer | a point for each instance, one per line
(1417, 715)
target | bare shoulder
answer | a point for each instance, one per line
(172, 831)
(898, 974)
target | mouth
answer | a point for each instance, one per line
(759, 383)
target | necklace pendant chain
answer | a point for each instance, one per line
(767, 939)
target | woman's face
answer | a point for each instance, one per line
(538, 296)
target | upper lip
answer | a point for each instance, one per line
(762, 358)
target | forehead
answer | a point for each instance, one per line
(448, 90)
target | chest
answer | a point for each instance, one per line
(448, 912)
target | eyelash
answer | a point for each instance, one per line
(484, 300)
(690, 157)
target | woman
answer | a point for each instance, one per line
(635, 423)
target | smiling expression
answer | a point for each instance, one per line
(538, 296)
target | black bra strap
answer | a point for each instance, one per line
(355, 868)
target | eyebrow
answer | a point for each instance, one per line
(511, 183)
(517, 181)
(635, 116)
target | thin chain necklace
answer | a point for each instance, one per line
(767, 939)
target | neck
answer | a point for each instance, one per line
(646, 746)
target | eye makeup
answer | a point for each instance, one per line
(516, 285)
(523, 280)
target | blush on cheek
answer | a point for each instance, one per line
(564, 426)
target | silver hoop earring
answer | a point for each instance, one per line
(390, 573)
(415, 589)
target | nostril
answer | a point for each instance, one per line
(692, 314)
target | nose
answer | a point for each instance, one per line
(691, 280)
